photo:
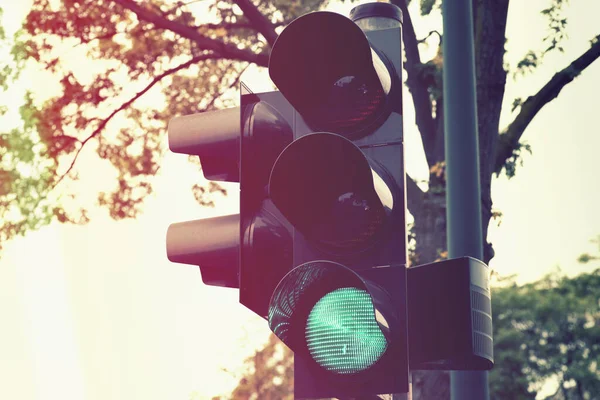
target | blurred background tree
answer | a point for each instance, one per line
(187, 56)
(547, 331)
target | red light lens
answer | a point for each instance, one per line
(351, 104)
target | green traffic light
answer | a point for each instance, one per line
(341, 331)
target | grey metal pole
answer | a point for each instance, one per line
(463, 192)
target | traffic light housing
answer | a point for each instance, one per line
(265, 236)
(450, 316)
(236, 145)
(319, 248)
(212, 244)
(340, 184)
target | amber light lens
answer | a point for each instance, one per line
(324, 185)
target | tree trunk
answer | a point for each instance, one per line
(490, 36)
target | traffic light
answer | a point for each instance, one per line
(319, 248)
(212, 244)
(235, 145)
(266, 237)
(340, 184)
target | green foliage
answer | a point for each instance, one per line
(544, 330)
(586, 258)
(516, 104)
(557, 33)
(427, 6)
(2, 31)
(516, 158)
(25, 179)
(6, 71)
(556, 26)
(497, 216)
(529, 63)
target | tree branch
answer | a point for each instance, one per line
(418, 89)
(236, 25)
(225, 50)
(259, 21)
(234, 83)
(429, 35)
(100, 37)
(226, 25)
(509, 139)
(123, 106)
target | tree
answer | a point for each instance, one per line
(547, 330)
(269, 374)
(192, 53)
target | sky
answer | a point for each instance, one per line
(98, 312)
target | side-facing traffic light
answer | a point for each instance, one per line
(236, 145)
(265, 236)
(212, 244)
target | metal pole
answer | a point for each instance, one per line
(462, 161)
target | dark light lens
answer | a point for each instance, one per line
(351, 103)
(342, 334)
(350, 220)
(324, 185)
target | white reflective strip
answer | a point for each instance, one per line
(382, 73)
(383, 191)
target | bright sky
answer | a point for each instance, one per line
(98, 312)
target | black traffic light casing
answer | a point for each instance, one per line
(213, 243)
(265, 235)
(453, 297)
(319, 247)
(251, 250)
(340, 185)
